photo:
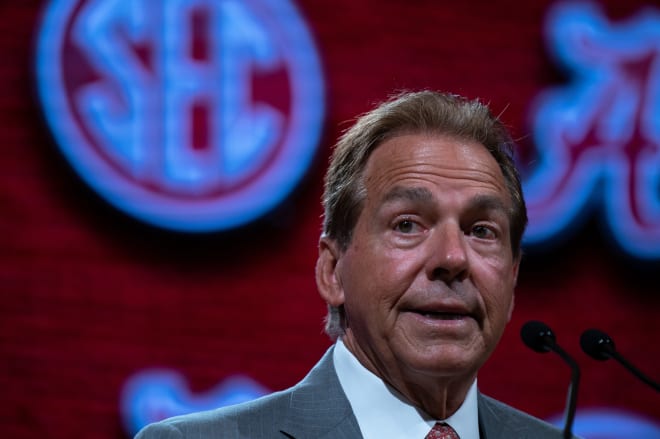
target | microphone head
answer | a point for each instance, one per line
(537, 336)
(597, 344)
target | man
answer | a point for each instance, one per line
(417, 262)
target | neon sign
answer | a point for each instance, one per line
(153, 395)
(611, 423)
(598, 137)
(193, 115)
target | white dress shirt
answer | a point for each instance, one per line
(382, 412)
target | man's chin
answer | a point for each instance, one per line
(445, 362)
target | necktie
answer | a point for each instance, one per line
(442, 431)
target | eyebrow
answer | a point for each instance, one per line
(408, 193)
(423, 195)
(488, 203)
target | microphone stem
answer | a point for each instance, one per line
(634, 370)
(572, 389)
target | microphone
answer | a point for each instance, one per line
(600, 346)
(539, 337)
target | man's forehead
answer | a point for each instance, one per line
(454, 161)
(436, 150)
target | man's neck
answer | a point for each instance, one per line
(439, 396)
(382, 411)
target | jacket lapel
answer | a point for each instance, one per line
(318, 407)
(498, 420)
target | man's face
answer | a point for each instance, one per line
(427, 280)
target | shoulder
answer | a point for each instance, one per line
(269, 416)
(501, 420)
(236, 421)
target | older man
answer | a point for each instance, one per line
(418, 261)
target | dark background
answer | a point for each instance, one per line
(91, 297)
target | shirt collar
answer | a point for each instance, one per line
(382, 412)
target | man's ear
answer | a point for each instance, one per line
(328, 281)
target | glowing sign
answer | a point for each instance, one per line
(610, 423)
(192, 115)
(153, 395)
(599, 136)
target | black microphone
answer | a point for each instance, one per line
(600, 346)
(539, 337)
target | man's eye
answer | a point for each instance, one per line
(405, 226)
(483, 232)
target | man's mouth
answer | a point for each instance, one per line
(442, 315)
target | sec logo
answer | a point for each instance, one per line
(191, 115)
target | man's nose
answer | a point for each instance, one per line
(448, 260)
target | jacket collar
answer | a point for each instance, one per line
(318, 406)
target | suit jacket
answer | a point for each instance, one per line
(317, 408)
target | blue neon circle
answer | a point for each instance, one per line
(193, 214)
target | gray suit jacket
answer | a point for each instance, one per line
(317, 408)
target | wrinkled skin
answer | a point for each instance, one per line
(428, 278)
